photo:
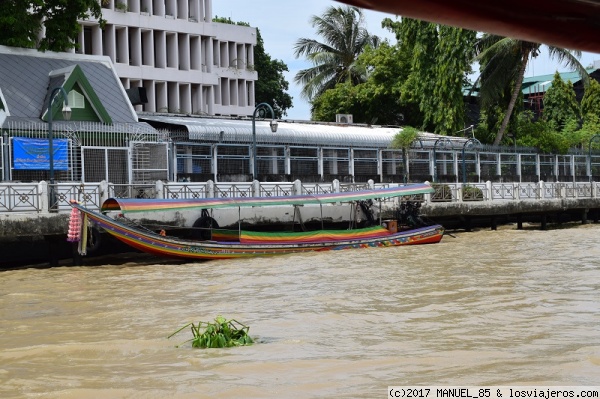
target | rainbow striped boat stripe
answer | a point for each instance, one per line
(253, 237)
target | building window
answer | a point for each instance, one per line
(76, 99)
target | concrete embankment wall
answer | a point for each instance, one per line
(465, 214)
(31, 237)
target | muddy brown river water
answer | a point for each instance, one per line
(482, 308)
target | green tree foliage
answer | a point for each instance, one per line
(375, 101)
(560, 104)
(539, 134)
(334, 60)
(387, 68)
(454, 53)
(441, 58)
(403, 140)
(271, 85)
(503, 63)
(590, 103)
(590, 128)
(21, 22)
(416, 82)
(342, 99)
(580, 136)
(419, 39)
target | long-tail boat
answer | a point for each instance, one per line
(225, 244)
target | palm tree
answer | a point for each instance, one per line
(504, 61)
(334, 60)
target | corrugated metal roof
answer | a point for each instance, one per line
(305, 134)
(288, 133)
(541, 83)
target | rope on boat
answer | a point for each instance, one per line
(82, 249)
(300, 221)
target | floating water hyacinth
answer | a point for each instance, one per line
(222, 333)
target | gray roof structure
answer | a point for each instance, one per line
(223, 130)
(26, 82)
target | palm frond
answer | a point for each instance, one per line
(334, 59)
(570, 59)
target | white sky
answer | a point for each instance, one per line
(283, 22)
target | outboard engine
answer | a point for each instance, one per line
(409, 214)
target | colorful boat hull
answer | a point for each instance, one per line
(150, 242)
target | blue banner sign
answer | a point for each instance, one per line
(33, 154)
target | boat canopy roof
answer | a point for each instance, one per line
(131, 205)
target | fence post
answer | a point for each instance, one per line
(540, 189)
(459, 192)
(43, 187)
(160, 187)
(210, 189)
(297, 187)
(489, 187)
(517, 191)
(103, 192)
(426, 197)
(255, 188)
(335, 186)
(593, 189)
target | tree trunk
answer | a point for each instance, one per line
(513, 99)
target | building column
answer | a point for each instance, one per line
(110, 46)
(96, 40)
(209, 105)
(173, 97)
(185, 98)
(160, 45)
(162, 102)
(207, 10)
(150, 106)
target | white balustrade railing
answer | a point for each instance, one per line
(35, 198)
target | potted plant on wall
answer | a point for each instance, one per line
(121, 6)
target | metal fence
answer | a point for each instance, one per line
(35, 198)
(123, 153)
(128, 154)
(234, 163)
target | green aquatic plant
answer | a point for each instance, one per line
(222, 333)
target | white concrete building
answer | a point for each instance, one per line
(171, 48)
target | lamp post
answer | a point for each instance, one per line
(260, 108)
(473, 143)
(594, 137)
(66, 110)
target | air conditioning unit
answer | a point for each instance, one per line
(343, 118)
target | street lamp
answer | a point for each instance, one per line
(594, 137)
(66, 110)
(262, 109)
(443, 142)
(472, 142)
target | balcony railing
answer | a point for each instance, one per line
(35, 198)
